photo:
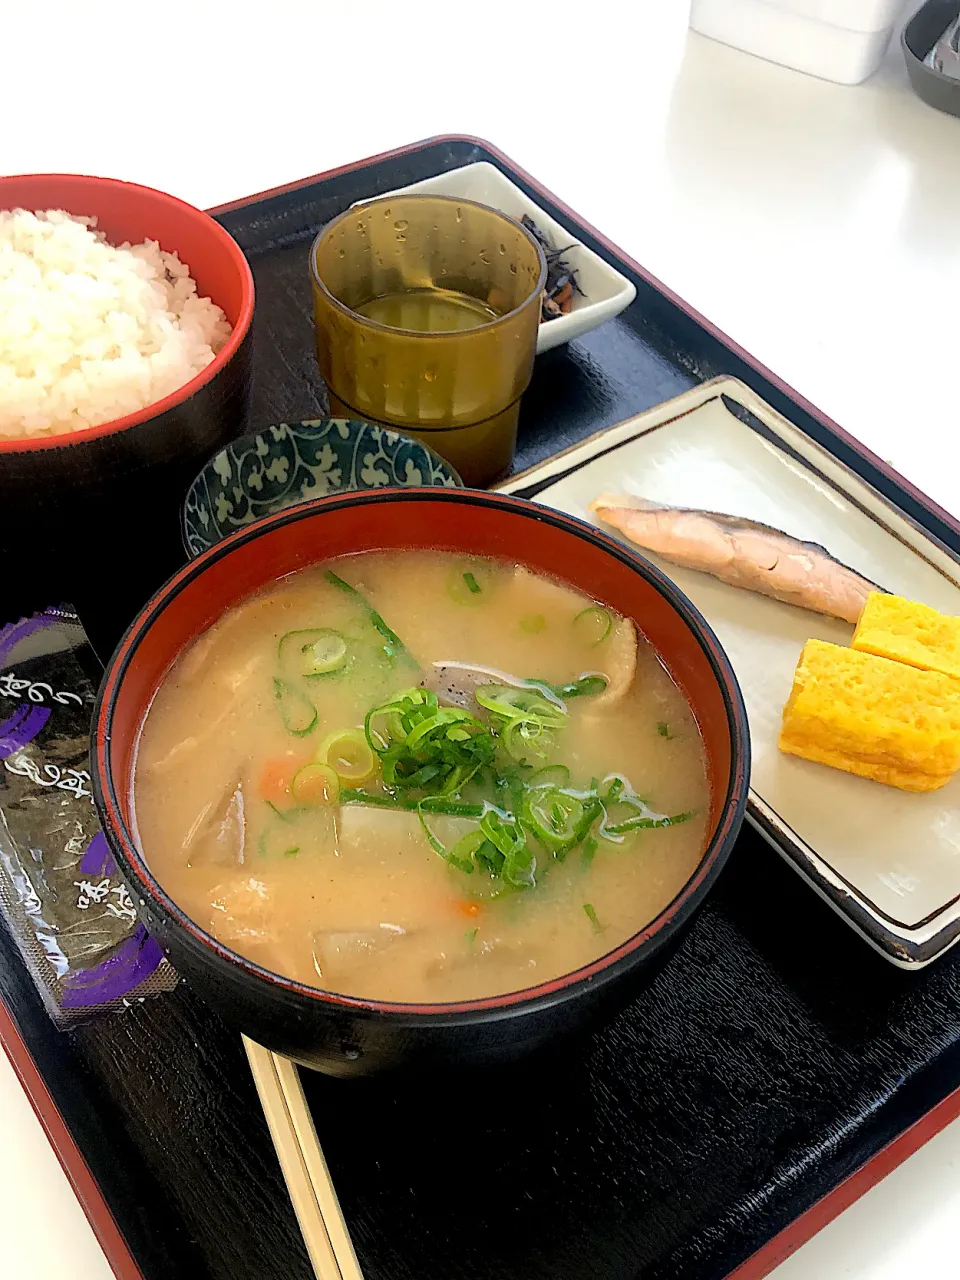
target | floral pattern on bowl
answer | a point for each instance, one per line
(293, 462)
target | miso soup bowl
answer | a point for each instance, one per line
(340, 1034)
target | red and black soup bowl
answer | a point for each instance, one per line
(348, 1036)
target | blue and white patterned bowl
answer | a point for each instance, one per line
(293, 462)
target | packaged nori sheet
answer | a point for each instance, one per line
(64, 903)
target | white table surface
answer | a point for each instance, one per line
(818, 225)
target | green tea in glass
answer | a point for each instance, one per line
(427, 310)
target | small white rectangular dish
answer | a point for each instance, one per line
(888, 861)
(605, 292)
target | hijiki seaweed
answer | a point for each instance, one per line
(64, 903)
(561, 277)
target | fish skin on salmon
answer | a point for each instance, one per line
(742, 553)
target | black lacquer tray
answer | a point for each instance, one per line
(757, 1088)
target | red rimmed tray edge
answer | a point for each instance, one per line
(756, 1267)
(84, 1184)
(849, 1191)
(812, 1220)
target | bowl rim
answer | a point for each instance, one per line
(649, 940)
(157, 407)
(364, 321)
(247, 439)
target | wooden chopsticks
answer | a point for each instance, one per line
(304, 1168)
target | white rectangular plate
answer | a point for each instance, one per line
(887, 860)
(605, 291)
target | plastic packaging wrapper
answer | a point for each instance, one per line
(61, 896)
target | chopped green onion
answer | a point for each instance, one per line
(589, 849)
(325, 655)
(635, 813)
(664, 729)
(463, 853)
(589, 683)
(554, 818)
(647, 822)
(527, 713)
(554, 775)
(471, 937)
(394, 648)
(592, 625)
(616, 786)
(316, 651)
(423, 746)
(520, 738)
(592, 810)
(510, 702)
(429, 754)
(467, 586)
(297, 712)
(461, 856)
(592, 917)
(501, 835)
(346, 752)
(436, 845)
(291, 853)
(442, 716)
(432, 804)
(519, 866)
(315, 784)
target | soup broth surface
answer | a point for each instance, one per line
(358, 895)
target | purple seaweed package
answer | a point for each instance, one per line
(60, 894)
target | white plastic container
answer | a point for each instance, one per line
(840, 40)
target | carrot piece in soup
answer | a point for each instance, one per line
(275, 779)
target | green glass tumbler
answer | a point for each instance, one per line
(427, 310)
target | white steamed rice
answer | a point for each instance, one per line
(89, 332)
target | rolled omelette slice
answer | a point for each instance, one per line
(873, 717)
(892, 627)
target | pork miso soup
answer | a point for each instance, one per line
(421, 778)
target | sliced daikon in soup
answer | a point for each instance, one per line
(421, 777)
